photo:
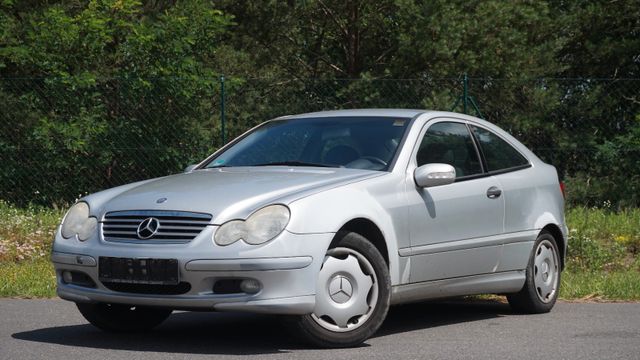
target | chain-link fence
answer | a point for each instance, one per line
(61, 138)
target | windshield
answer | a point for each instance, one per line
(352, 142)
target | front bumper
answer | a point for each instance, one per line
(287, 281)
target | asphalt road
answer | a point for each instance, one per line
(53, 329)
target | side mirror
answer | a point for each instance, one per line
(190, 167)
(434, 175)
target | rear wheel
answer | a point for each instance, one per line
(540, 291)
(352, 295)
(123, 318)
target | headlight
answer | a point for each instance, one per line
(77, 221)
(230, 232)
(260, 227)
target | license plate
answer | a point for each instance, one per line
(138, 271)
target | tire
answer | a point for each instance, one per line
(349, 308)
(542, 284)
(123, 318)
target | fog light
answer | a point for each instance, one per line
(67, 277)
(250, 286)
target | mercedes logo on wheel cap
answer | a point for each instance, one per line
(148, 227)
(340, 289)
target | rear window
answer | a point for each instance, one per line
(498, 153)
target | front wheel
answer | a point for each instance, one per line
(352, 295)
(542, 284)
(123, 318)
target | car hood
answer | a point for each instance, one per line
(229, 193)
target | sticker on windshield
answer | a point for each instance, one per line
(398, 123)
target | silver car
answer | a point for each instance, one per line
(328, 218)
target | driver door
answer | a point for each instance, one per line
(451, 226)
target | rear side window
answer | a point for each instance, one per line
(497, 152)
(449, 143)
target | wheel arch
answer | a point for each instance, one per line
(361, 209)
(555, 231)
(367, 229)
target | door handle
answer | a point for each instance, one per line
(493, 192)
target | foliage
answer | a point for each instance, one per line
(102, 62)
(96, 93)
(620, 158)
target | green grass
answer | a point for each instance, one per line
(603, 259)
(603, 240)
(615, 285)
(26, 236)
(29, 279)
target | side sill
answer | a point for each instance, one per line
(504, 282)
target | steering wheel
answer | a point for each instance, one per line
(374, 159)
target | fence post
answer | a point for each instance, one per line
(466, 99)
(222, 119)
(465, 93)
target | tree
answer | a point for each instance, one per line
(105, 92)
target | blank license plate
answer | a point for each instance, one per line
(138, 271)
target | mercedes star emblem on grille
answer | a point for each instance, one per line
(148, 227)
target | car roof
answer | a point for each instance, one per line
(404, 113)
(412, 113)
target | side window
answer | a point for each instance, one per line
(497, 152)
(449, 143)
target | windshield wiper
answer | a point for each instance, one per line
(293, 163)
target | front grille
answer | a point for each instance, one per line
(172, 226)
